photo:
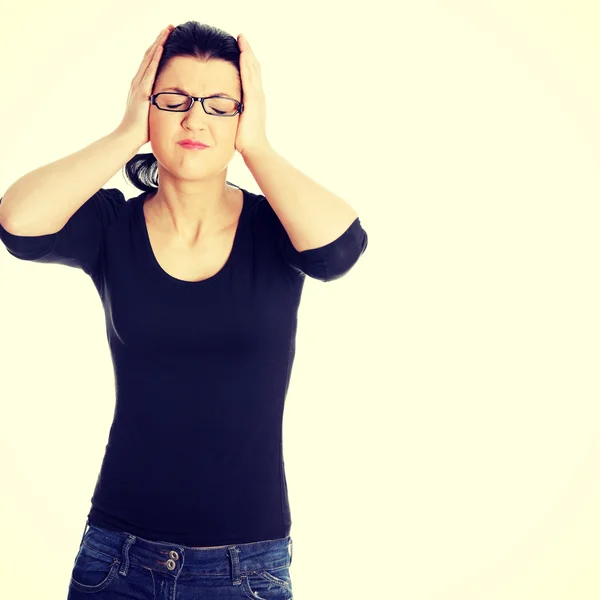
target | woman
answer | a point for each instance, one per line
(200, 284)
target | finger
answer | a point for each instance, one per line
(150, 73)
(151, 53)
(248, 48)
(159, 40)
(250, 58)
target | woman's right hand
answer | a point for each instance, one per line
(135, 121)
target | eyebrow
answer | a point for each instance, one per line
(176, 89)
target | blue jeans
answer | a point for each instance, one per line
(121, 566)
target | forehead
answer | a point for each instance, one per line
(192, 76)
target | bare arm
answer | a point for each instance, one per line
(42, 201)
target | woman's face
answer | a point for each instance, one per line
(166, 128)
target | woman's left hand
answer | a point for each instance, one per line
(251, 130)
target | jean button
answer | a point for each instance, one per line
(171, 564)
(173, 555)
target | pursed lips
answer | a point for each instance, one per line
(192, 143)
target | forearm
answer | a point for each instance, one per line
(311, 215)
(42, 201)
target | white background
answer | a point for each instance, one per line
(441, 427)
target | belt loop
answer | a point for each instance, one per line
(235, 565)
(291, 547)
(125, 554)
(84, 530)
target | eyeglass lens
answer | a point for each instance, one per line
(214, 106)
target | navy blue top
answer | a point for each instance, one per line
(194, 454)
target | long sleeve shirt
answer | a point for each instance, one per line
(194, 453)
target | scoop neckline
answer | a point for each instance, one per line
(156, 265)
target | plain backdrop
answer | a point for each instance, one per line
(441, 427)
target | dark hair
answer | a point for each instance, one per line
(193, 39)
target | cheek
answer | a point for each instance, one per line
(157, 123)
(225, 134)
(163, 134)
(154, 126)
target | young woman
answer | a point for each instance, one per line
(200, 283)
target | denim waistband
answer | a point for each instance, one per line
(169, 558)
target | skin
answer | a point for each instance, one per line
(193, 200)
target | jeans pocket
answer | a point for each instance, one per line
(93, 571)
(268, 584)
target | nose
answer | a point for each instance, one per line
(196, 113)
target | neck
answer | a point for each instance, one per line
(188, 216)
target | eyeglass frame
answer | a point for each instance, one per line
(239, 111)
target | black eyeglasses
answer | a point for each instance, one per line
(218, 106)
